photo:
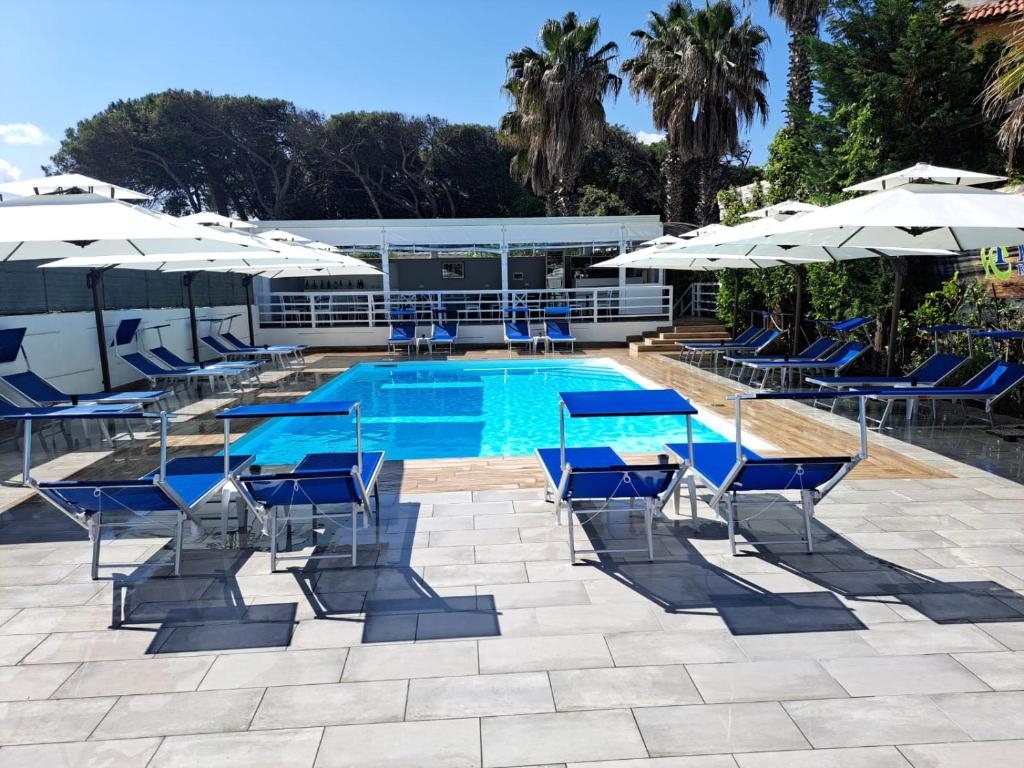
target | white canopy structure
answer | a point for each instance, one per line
(924, 173)
(69, 182)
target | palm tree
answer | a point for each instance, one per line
(557, 96)
(1004, 95)
(802, 18)
(703, 73)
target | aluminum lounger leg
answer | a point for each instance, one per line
(355, 532)
(572, 541)
(692, 485)
(730, 510)
(807, 501)
(178, 535)
(273, 540)
(649, 525)
(94, 534)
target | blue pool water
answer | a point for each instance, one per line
(457, 410)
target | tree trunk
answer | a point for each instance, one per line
(800, 92)
(564, 195)
(672, 174)
(707, 191)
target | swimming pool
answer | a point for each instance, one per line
(450, 409)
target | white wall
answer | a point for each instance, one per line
(62, 347)
(615, 332)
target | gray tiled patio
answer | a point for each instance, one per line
(466, 639)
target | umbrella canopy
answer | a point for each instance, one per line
(661, 240)
(787, 208)
(69, 182)
(914, 216)
(292, 269)
(91, 225)
(923, 173)
(208, 219)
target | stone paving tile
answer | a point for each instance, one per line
(697, 647)
(957, 557)
(169, 714)
(443, 698)
(1001, 671)
(985, 716)
(474, 575)
(253, 670)
(393, 662)
(122, 753)
(353, 630)
(852, 757)
(873, 721)
(696, 761)
(586, 619)
(42, 722)
(622, 687)
(430, 744)
(562, 737)
(98, 645)
(474, 537)
(1008, 634)
(49, 595)
(35, 681)
(807, 645)
(46, 620)
(14, 648)
(976, 755)
(135, 676)
(714, 728)
(298, 706)
(268, 749)
(920, 637)
(543, 653)
(763, 681)
(522, 553)
(529, 595)
(888, 675)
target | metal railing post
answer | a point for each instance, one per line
(312, 310)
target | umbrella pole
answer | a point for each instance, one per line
(94, 279)
(899, 265)
(735, 301)
(247, 283)
(798, 306)
(187, 278)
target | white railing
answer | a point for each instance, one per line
(339, 309)
(698, 300)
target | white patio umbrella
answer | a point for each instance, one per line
(65, 183)
(787, 208)
(924, 173)
(53, 226)
(208, 218)
(920, 217)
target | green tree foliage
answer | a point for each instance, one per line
(802, 18)
(702, 71)
(557, 95)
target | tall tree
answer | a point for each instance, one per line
(1004, 95)
(703, 73)
(557, 95)
(802, 18)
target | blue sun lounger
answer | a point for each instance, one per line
(930, 373)
(154, 373)
(730, 469)
(317, 481)
(296, 351)
(600, 474)
(688, 348)
(443, 333)
(993, 382)
(557, 329)
(59, 414)
(167, 357)
(402, 325)
(41, 393)
(812, 351)
(835, 363)
(517, 328)
(236, 358)
(754, 347)
(177, 487)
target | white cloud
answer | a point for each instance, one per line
(23, 133)
(647, 137)
(9, 172)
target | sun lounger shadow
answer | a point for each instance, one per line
(387, 594)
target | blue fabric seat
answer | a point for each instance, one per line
(40, 391)
(154, 373)
(836, 362)
(166, 356)
(403, 334)
(754, 346)
(232, 355)
(743, 338)
(241, 346)
(443, 333)
(812, 351)
(516, 330)
(189, 481)
(717, 466)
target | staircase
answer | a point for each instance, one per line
(686, 329)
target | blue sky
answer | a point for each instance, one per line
(68, 59)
